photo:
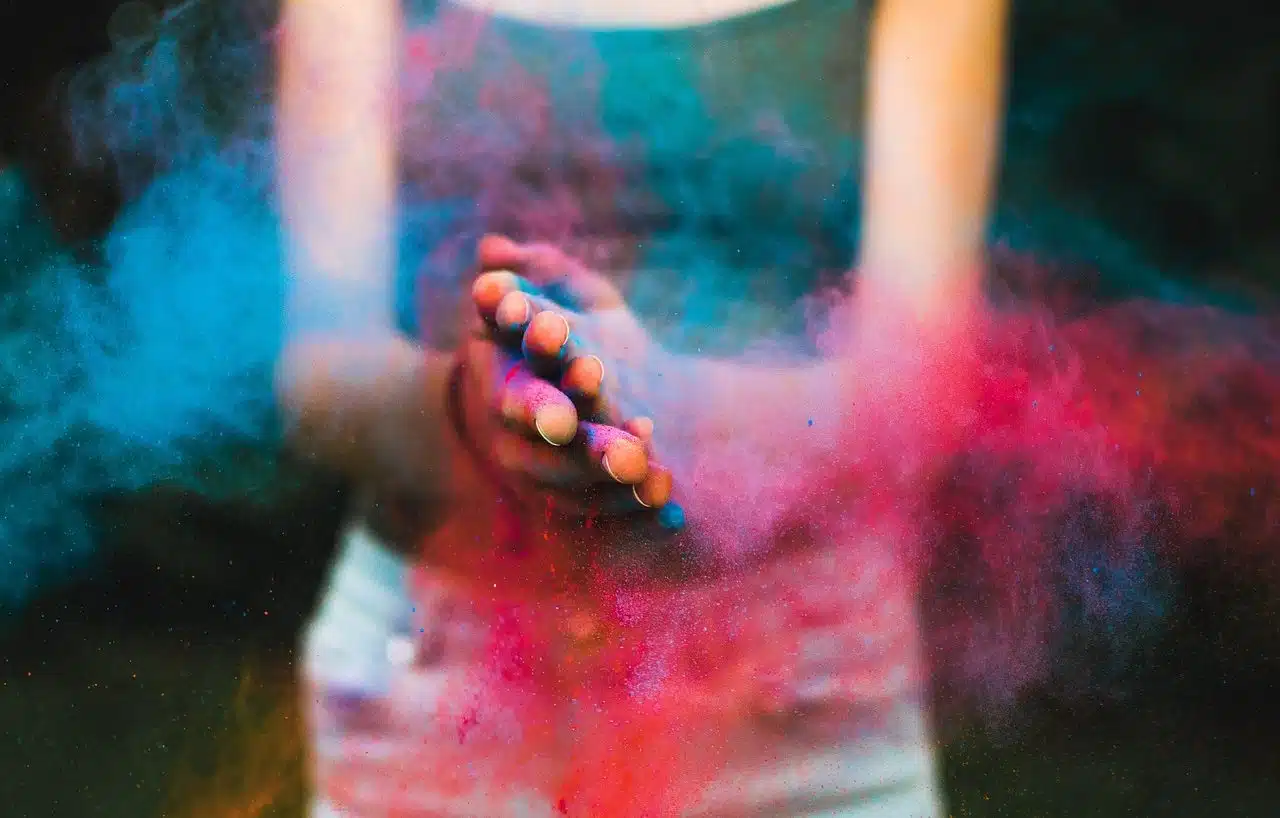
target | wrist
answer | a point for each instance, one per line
(410, 495)
(370, 407)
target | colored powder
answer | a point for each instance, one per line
(1110, 440)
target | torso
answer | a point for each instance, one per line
(721, 159)
(719, 162)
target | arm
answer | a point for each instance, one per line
(355, 392)
(897, 392)
(936, 84)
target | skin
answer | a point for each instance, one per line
(358, 396)
(592, 449)
(371, 403)
(934, 101)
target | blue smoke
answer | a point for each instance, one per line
(195, 280)
(120, 376)
(143, 363)
(40, 383)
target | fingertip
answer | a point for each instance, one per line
(555, 423)
(584, 377)
(495, 250)
(547, 334)
(513, 311)
(489, 289)
(641, 428)
(625, 461)
(655, 490)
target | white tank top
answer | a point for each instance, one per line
(397, 663)
(395, 658)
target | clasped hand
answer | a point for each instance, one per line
(538, 400)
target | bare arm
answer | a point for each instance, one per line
(935, 97)
(356, 393)
(336, 143)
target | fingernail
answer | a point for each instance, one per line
(635, 492)
(599, 362)
(564, 345)
(642, 427)
(515, 323)
(537, 424)
(604, 463)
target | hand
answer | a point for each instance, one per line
(536, 391)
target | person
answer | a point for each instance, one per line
(560, 412)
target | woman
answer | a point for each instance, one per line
(806, 698)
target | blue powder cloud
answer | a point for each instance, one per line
(195, 277)
(116, 377)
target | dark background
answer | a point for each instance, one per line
(1173, 139)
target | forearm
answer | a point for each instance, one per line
(336, 146)
(935, 93)
(362, 407)
(357, 396)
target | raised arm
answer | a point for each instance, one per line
(936, 79)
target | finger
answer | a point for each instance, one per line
(641, 428)
(618, 455)
(654, 497)
(547, 267)
(488, 290)
(654, 491)
(583, 380)
(499, 252)
(536, 407)
(544, 465)
(546, 338)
